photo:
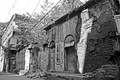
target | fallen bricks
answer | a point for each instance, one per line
(37, 74)
(106, 72)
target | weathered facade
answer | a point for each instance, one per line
(13, 44)
(99, 41)
(61, 40)
(5, 44)
(82, 40)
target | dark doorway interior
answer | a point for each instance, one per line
(12, 60)
(70, 59)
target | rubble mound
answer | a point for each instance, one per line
(37, 74)
(106, 72)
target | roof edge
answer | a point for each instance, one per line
(72, 13)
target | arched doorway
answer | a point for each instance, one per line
(52, 55)
(70, 54)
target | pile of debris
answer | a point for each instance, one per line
(37, 74)
(106, 72)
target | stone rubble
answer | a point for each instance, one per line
(106, 72)
(37, 74)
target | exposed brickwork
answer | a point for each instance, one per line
(98, 54)
(100, 41)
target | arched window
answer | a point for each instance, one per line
(69, 40)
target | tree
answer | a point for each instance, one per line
(37, 34)
(63, 8)
(46, 6)
(2, 29)
(69, 5)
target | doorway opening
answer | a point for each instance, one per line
(70, 59)
(70, 54)
(12, 61)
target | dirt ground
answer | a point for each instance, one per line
(9, 76)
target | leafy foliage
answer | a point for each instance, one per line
(37, 34)
(2, 29)
(61, 9)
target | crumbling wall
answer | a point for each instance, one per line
(101, 40)
(62, 32)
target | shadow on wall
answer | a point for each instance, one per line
(101, 39)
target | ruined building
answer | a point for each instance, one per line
(82, 40)
(14, 45)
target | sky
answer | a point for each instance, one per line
(20, 7)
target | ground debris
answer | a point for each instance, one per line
(37, 74)
(106, 72)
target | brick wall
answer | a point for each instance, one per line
(100, 41)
